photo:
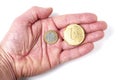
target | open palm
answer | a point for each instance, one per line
(30, 55)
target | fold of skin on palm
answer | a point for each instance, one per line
(31, 55)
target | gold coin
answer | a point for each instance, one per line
(51, 37)
(74, 34)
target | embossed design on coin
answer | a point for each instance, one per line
(51, 37)
(74, 34)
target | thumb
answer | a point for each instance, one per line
(34, 14)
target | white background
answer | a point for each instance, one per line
(103, 63)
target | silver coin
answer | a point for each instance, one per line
(51, 37)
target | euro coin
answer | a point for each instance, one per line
(74, 34)
(51, 37)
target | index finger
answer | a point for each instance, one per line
(64, 20)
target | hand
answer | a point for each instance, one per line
(30, 55)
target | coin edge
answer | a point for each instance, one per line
(81, 40)
(56, 34)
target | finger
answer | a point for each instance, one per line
(64, 20)
(89, 28)
(92, 27)
(34, 14)
(79, 51)
(65, 45)
(91, 37)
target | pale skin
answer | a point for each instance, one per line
(25, 51)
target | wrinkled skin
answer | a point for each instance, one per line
(25, 45)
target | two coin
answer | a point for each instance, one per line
(73, 35)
